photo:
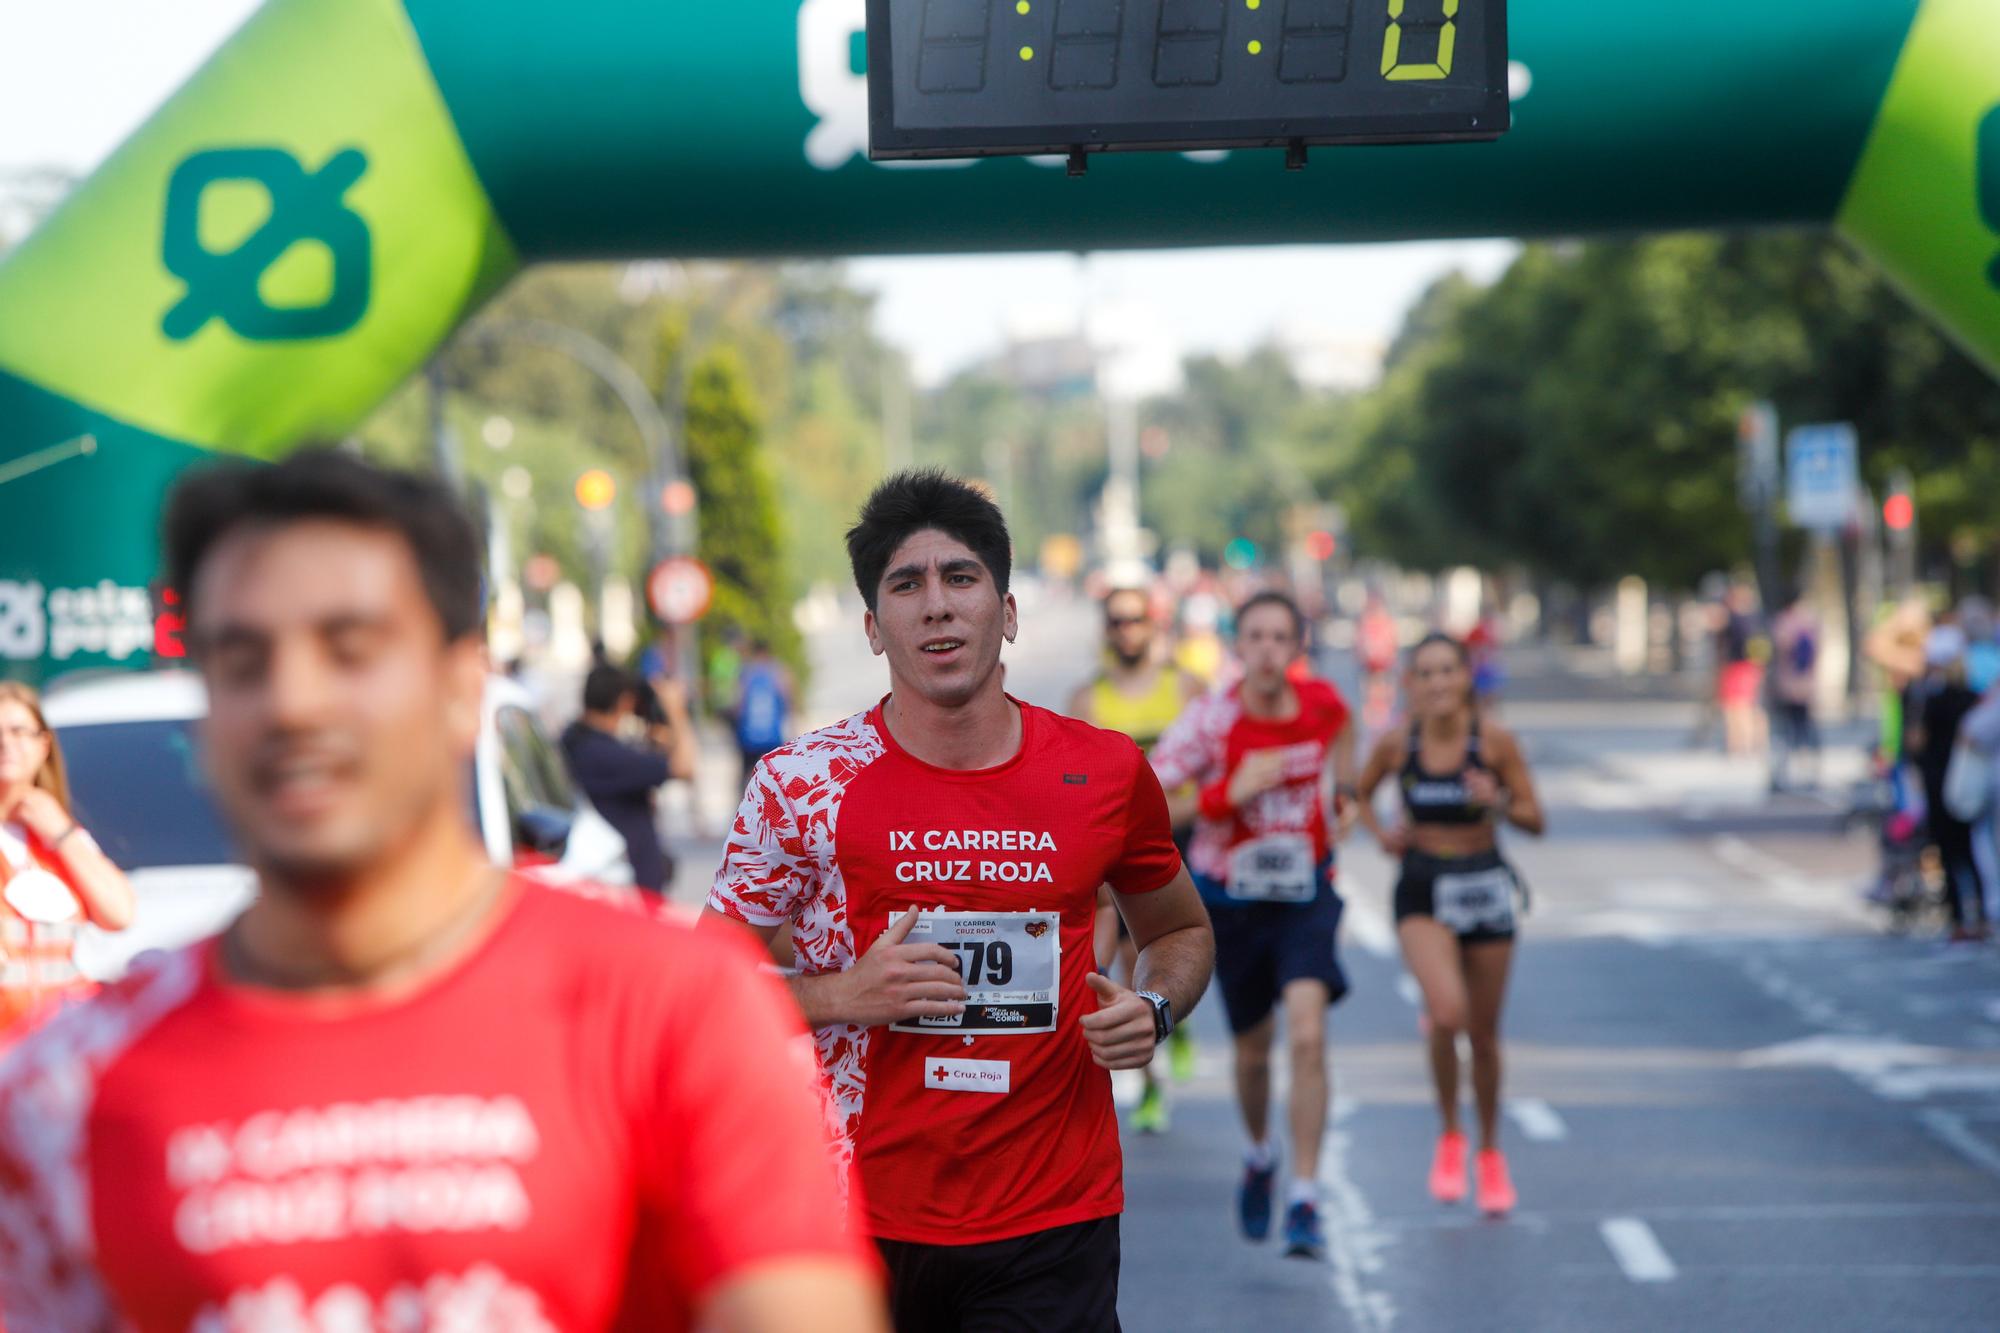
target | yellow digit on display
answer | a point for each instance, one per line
(1392, 46)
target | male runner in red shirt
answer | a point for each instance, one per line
(1262, 856)
(966, 1046)
(404, 1090)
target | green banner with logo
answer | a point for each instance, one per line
(292, 234)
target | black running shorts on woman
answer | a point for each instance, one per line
(1473, 896)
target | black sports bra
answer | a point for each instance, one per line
(1430, 799)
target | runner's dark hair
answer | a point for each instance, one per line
(213, 502)
(920, 500)
(1272, 597)
(1457, 645)
(605, 686)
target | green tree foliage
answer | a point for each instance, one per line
(1578, 417)
(741, 537)
(1231, 467)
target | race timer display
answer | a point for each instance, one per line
(970, 78)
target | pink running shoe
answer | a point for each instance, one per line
(1448, 1169)
(1496, 1188)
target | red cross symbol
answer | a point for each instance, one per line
(941, 1072)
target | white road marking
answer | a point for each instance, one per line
(1786, 884)
(1538, 1120)
(1637, 1250)
(1891, 1069)
(1951, 1129)
(1371, 928)
(1354, 1240)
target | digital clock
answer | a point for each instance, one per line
(974, 78)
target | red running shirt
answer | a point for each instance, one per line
(1210, 740)
(957, 1138)
(587, 1124)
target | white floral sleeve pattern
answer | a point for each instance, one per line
(48, 1089)
(778, 865)
(1194, 750)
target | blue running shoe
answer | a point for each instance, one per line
(1303, 1238)
(1253, 1201)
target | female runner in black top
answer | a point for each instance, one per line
(1460, 778)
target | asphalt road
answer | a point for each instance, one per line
(1734, 1101)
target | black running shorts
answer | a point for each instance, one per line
(1063, 1280)
(1480, 902)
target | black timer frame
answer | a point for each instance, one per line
(1193, 63)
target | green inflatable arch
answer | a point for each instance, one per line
(342, 184)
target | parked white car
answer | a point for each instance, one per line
(131, 746)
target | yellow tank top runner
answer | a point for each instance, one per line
(1145, 717)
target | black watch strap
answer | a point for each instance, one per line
(1163, 1014)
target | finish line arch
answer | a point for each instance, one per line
(295, 231)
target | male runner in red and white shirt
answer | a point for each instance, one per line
(404, 1090)
(1258, 755)
(966, 1047)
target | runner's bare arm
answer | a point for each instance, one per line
(1345, 807)
(105, 893)
(779, 1297)
(892, 983)
(1524, 807)
(1381, 763)
(1176, 944)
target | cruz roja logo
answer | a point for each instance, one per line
(1989, 181)
(305, 208)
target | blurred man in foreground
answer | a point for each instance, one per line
(404, 1089)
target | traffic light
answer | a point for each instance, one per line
(595, 490)
(1321, 545)
(677, 498)
(1899, 511)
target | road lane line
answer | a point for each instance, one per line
(1637, 1250)
(1538, 1120)
(1354, 1240)
(1951, 1129)
(1371, 928)
(1785, 883)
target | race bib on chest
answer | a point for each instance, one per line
(1475, 900)
(1276, 868)
(1011, 963)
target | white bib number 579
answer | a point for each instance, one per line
(1012, 966)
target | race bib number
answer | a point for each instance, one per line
(1011, 963)
(1277, 868)
(1476, 900)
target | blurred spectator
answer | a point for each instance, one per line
(1981, 733)
(765, 698)
(1982, 645)
(725, 671)
(1943, 701)
(1794, 679)
(1482, 645)
(1740, 654)
(622, 779)
(53, 877)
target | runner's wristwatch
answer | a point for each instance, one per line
(1163, 1014)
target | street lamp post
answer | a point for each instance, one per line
(668, 533)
